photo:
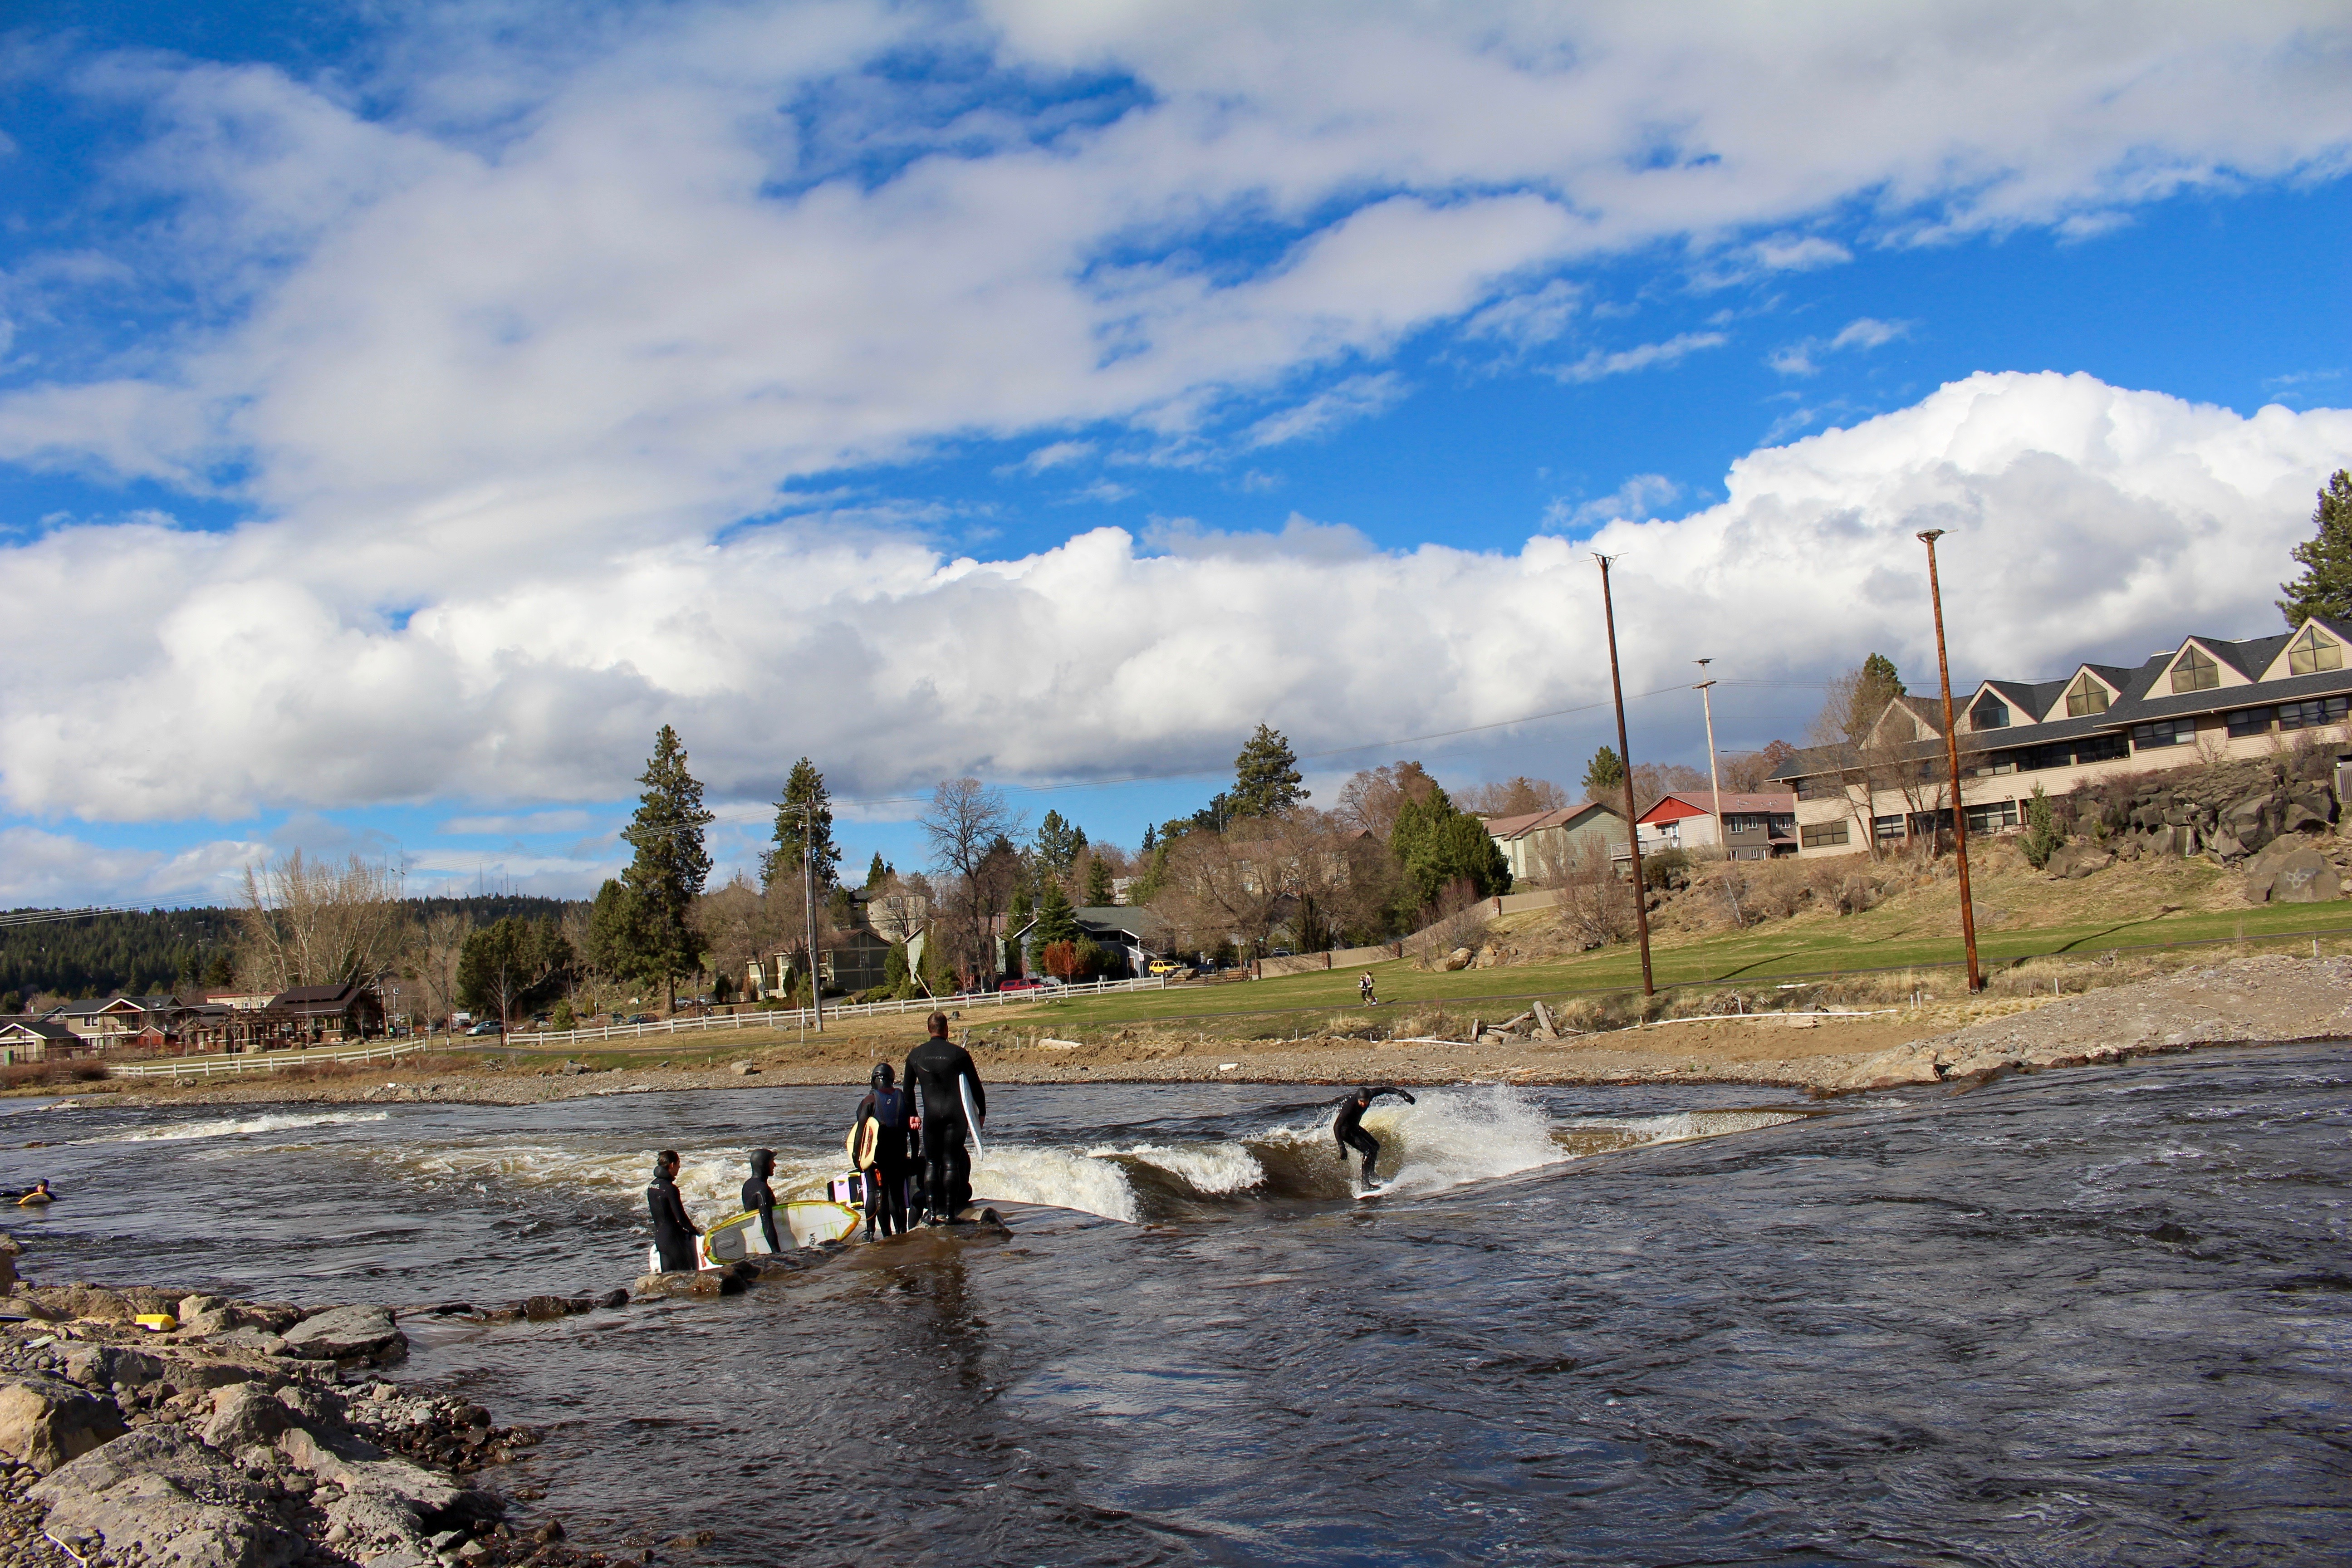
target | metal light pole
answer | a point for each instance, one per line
(1626, 760)
(1714, 777)
(1952, 759)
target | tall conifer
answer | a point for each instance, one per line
(670, 867)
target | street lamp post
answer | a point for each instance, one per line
(1952, 760)
(1714, 776)
(1626, 760)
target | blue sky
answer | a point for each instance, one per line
(404, 410)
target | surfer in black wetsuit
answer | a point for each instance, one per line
(674, 1234)
(757, 1195)
(935, 1071)
(1347, 1127)
(890, 1165)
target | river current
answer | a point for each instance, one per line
(2091, 1317)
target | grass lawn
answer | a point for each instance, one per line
(1760, 957)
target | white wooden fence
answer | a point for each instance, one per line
(788, 1018)
(260, 1061)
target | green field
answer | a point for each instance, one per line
(1760, 958)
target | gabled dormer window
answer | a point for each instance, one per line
(2196, 671)
(1990, 713)
(2086, 697)
(2312, 651)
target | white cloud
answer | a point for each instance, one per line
(1596, 364)
(1525, 321)
(2086, 520)
(1357, 398)
(1797, 253)
(1055, 455)
(45, 870)
(1638, 496)
(1804, 357)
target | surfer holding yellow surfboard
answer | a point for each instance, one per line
(878, 1138)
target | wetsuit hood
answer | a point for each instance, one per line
(763, 1163)
(883, 1076)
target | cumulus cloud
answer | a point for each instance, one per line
(40, 869)
(2086, 520)
(1640, 496)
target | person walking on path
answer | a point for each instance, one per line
(1348, 1126)
(1364, 989)
(674, 1234)
(937, 1071)
(879, 1139)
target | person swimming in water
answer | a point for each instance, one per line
(674, 1234)
(757, 1195)
(1347, 1127)
(887, 1162)
(933, 1071)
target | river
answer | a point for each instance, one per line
(2089, 1317)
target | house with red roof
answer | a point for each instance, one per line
(1753, 827)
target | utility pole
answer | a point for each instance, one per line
(1626, 760)
(1714, 777)
(808, 889)
(1952, 758)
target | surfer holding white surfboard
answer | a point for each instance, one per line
(951, 1104)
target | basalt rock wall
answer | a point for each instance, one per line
(2229, 810)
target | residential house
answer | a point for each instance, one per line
(1538, 845)
(39, 1041)
(1755, 827)
(2209, 698)
(323, 1015)
(118, 1020)
(1133, 934)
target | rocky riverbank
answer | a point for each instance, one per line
(245, 1434)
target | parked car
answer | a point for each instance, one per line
(1021, 982)
(1163, 967)
(488, 1027)
(639, 1018)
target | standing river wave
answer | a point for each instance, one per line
(2087, 1317)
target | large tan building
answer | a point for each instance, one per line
(2208, 699)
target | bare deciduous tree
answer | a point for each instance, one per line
(1595, 903)
(1371, 799)
(966, 821)
(433, 955)
(305, 924)
(1519, 796)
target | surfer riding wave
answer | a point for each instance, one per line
(1347, 1127)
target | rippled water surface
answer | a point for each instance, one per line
(2081, 1317)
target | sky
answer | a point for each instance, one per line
(406, 409)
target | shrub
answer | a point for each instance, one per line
(2042, 834)
(564, 1017)
(1669, 868)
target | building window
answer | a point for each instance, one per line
(1988, 714)
(2312, 714)
(2100, 749)
(2313, 652)
(1820, 835)
(2195, 671)
(1820, 786)
(1887, 827)
(2248, 721)
(2085, 697)
(1992, 818)
(2163, 732)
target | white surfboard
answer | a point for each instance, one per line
(971, 1117)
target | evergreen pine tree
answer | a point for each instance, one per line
(1056, 920)
(1097, 881)
(1437, 843)
(803, 787)
(670, 867)
(1057, 847)
(1604, 776)
(1879, 673)
(2324, 588)
(878, 873)
(1265, 776)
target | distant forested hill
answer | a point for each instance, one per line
(153, 951)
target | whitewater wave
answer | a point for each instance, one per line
(233, 1127)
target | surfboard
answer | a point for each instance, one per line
(971, 1117)
(800, 1221)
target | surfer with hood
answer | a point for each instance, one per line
(1347, 1127)
(879, 1140)
(674, 1234)
(757, 1195)
(938, 1074)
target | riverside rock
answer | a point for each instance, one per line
(48, 1422)
(106, 1366)
(2292, 871)
(340, 1332)
(161, 1498)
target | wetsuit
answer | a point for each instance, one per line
(757, 1195)
(887, 1178)
(1347, 1127)
(673, 1232)
(933, 1069)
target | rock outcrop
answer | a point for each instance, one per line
(343, 1331)
(2230, 809)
